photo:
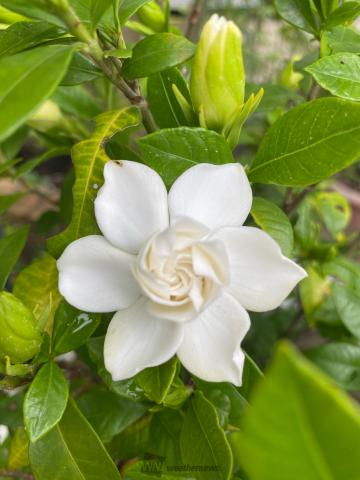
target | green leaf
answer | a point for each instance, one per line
(162, 101)
(45, 401)
(72, 327)
(156, 381)
(77, 101)
(18, 456)
(285, 430)
(347, 303)
(7, 201)
(37, 283)
(29, 165)
(298, 13)
(346, 13)
(171, 152)
(251, 376)
(342, 39)
(339, 73)
(203, 442)
(341, 361)
(89, 158)
(10, 251)
(308, 144)
(80, 70)
(26, 80)
(98, 9)
(275, 222)
(156, 53)
(128, 8)
(24, 35)
(108, 413)
(33, 9)
(72, 450)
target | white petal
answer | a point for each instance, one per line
(96, 277)
(132, 204)
(214, 195)
(260, 276)
(135, 340)
(211, 345)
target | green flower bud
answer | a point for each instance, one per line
(152, 16)
(217, 81)
(48, 116)
(20, 338)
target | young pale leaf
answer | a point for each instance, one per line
(26, 80)
(171, 152)
(346, 13)
(73, 450)
(342, 39)
(284, 431)
(37, 283)
(156, 53)
(116, 413)
(163, 103)
(24, 35)
(128, 8)
(298, 13)
(10, 250)
(18, 456)
(308, 144)
(156, 381)
(89, 158)
(72, 327)
(339, 73)
(45, 401)
(341, 361)
(203, 441)
(275, 222)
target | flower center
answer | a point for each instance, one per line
(181, 270)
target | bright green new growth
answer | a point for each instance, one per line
(20, 338)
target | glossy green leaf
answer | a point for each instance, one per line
(347, 303)
(308, 144)
(80, 70)
(341, 361)
(162, 100)
(128, 8)
(203, 442)
(24, 35)
(45, 401)
(97, 10)
(298, 13)
(26, 80)
(10, 251)
(72, 450)
(37, 283)
(275, 222)
(171, 152)
(284, 433)
(89, 158)
(339, 73)
(346, 13)
(108, 413)
(345, 270)
(72, 327)
(156, 381)
(342, 39)
(156, 53)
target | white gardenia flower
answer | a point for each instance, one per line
(179, 269)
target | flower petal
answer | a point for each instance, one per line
(261, 277)
(132, 204)
(135, 340)
(215, 195)
(96, 277)
(211, 345)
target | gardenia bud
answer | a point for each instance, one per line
(20, 338)
(48, 116)
(152, 16)
(218, 78)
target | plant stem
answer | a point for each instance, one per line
(96, 53)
